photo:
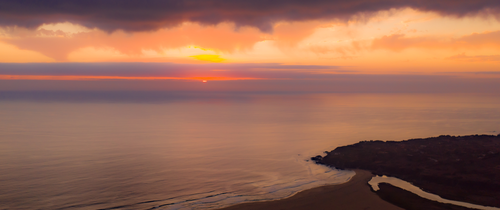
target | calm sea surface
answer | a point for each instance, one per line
(198, 153)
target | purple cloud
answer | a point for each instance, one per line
(138, 15)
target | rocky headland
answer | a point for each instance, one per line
(462, 168)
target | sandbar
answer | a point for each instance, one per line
(355, 194)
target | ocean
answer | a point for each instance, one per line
(202, 150)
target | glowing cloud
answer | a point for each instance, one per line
(209, 58)
(362, 36)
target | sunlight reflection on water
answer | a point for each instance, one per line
(205, 153)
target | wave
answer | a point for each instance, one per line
(275, 190)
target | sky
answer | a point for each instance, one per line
(176, 42)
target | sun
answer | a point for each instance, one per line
(204, 81)
(209, 58)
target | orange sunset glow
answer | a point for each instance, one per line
(235, 42)
(391, 41)
(83, 77)
(250, 104)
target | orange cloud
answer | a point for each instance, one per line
(54, 47)
(399, 42)
(221, 38)
(58, 45)
(287, 34)
(346, 51)
(11, 54)
(476, 58)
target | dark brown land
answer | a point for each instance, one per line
(462, 168)
(409, 201)
(355, 194)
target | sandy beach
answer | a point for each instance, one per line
(353, 195)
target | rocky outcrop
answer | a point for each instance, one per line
(463, 168)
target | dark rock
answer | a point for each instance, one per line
(464, 168)
(317, 159)
(410, 201)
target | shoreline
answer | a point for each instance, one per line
(458, 168)
(353, 194)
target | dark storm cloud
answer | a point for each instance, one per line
(140, 15)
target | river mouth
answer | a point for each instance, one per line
(376, 180)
